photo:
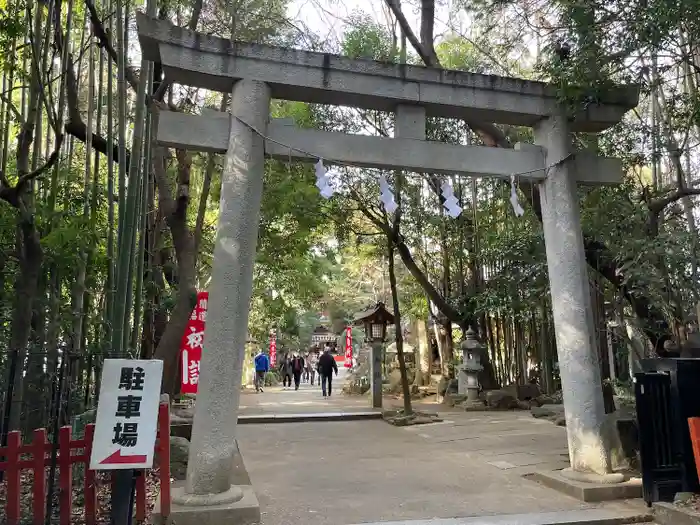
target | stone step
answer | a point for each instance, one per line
(310, 416)
(573, 517)
(670, 514)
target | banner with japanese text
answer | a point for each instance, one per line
(348, 347)
(273, 348)
(191, 345)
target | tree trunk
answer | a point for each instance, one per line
(175, 211)
(448, 348)
(30, 257)
(407, 408)
(425, 355)
(440, 342)
(35, 384)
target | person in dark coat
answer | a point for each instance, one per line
(326, 366)
(297, 369)
(286, 371)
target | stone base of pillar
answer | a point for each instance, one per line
(239, 505)
(594, 488)
(591, 477)
(180, 497)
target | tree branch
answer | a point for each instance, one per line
(184, 165)
(11, 106)
(435, 296)
(103, 37)
(658, 205)
(409, 262)
(427, 30)
(196, 13)
(425, 55)
(165, 193)
(53, 158)
(78, 129)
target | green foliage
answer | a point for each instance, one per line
(457, 53)
(292, 249)
(13, 26)
(368, 39)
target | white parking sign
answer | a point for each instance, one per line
(127, 415)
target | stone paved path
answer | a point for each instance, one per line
(509, 441)
(276, 400)
(340, 473)
(506, 440)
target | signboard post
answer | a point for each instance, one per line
(191, 345)
(126, 426)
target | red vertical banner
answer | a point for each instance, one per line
(348, 347)
(191, 345)
(273, 348)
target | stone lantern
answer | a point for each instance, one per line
(375, 321)
(468, 380)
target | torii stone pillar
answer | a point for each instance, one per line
(213, 445)
(571, 305)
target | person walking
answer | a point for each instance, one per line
(297, 369)
(305, 376)
(311, 366)
(286, 371)
(326, 366)
(262, 366)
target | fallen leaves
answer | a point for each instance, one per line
(103, 489)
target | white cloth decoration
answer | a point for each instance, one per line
(454, 211)
(451, 203)
(386, 195)
(391, 206)
(323, 183)
(514, 198)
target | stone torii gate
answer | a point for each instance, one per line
(254, 74)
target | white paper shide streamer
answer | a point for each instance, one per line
(386, 195)
(514, 198)
(323, 182)
(451, 203)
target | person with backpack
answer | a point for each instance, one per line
(297, 369)
(262, 365)
(326, 366)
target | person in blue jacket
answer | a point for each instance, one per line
(262, 365)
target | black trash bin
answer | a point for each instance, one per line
(667, 394)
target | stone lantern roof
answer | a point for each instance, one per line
(375, 314)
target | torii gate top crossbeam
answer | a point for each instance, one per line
(209, 62)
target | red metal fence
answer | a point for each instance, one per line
(17, 460)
